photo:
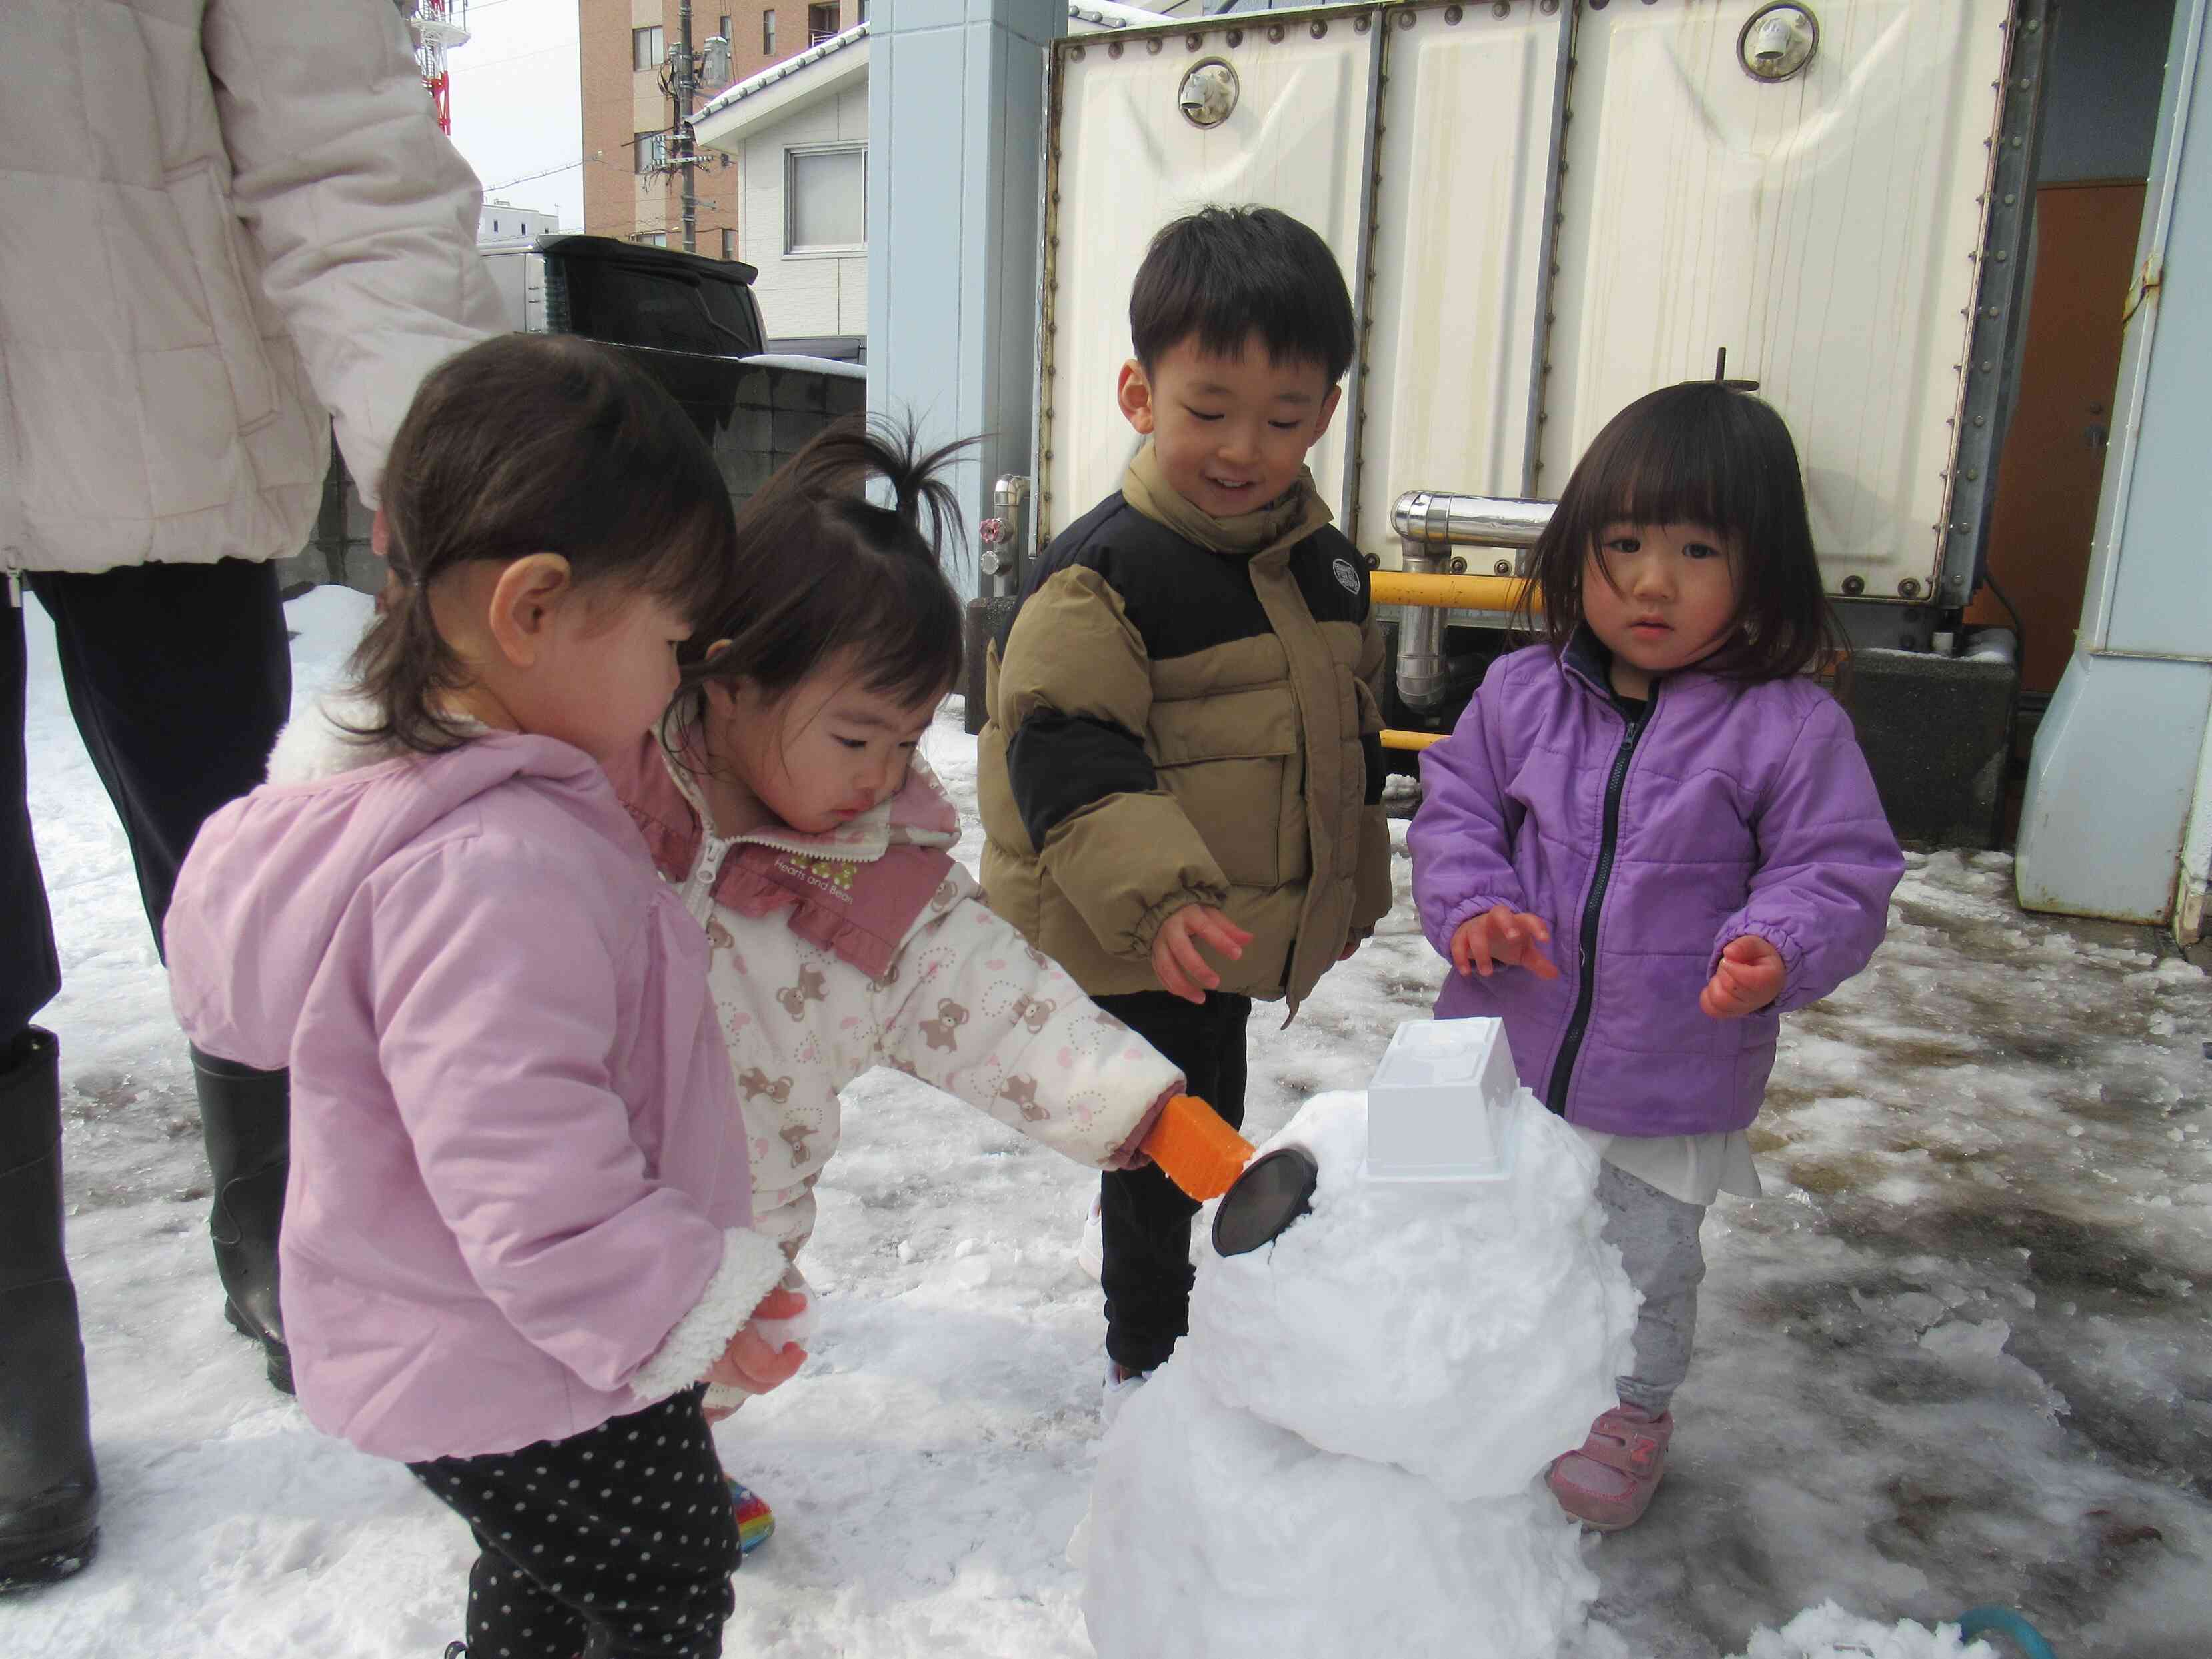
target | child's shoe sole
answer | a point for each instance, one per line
(756, 1520)
(1625, 1446)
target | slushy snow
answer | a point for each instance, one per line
(1346, 1455)
(1956, 1357)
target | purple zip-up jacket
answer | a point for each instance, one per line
(1726, 809)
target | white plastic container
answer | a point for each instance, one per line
(1438, 1106)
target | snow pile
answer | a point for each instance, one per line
(1385, 1383)
(1828, 1632)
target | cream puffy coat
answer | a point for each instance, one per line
(223, 223)
(833, 954)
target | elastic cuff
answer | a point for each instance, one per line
(752, 1266)
(1793, 958)
(1147, 926)
(1131, 1155)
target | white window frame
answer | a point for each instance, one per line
(659, 53)
(791, 247)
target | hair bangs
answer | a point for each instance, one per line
(1703, 453)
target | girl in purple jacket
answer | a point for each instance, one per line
(518, 1239)
(1649, 837)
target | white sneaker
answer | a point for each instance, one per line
(1091, 1248)
(1115, 1392)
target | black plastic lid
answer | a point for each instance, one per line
(1272, 1191)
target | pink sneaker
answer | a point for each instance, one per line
(1607, 1484)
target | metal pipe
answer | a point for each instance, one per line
(1452, 592)
(1437, 519)
(1430, 523)
(1393, 739)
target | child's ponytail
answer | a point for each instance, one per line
(825, 566)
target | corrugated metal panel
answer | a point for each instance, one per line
(1457, 300)
(1823, 229)
(1129, 163)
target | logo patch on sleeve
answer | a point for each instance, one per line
(1347, 577)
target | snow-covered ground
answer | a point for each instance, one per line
(1956, 1355)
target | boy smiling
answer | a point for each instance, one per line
(1179, 774)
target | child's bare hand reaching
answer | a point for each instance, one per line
(750, 1362)
(1503, 937)
(1749, 977)
(1181, 971)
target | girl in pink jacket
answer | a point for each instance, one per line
(786, 801)
(518, 1239)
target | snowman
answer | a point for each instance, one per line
(1404, 1311)
(1389, 1342)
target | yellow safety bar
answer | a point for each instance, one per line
(1457, 593)
(1393, 738)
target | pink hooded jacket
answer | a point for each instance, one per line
(519, 1202)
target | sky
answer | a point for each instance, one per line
(516, 109)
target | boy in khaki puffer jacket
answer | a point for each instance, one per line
(1181, 747)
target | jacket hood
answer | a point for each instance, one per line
(270, 877)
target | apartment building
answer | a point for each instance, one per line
(624, 48)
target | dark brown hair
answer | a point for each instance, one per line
(1222, 273)
(1705, 453)
(533, 444)
(823, 565)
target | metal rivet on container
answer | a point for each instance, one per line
(1987, 366)
(1855, 585)
(1404, 20)
(2001, 256)
(1275, 32)
(1154, 44)
(1909, 588)
(1503, 8)
(1193, 42)
(1236, 37)
(1076, 52)
(1359, 24)
(1317, 28)
(1502, 568)
(1973, 472)
(1115, 50)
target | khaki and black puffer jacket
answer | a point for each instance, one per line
(1181, 713)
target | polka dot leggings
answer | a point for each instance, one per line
(622, 1534)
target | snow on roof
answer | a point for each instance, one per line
(1085, 17)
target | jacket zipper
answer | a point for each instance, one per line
(1555, 1094)
(699, 885)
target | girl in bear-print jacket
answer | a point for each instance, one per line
(785, 798)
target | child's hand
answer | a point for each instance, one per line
(1182, 972)
(750, 1362)
(1749, 977)
(1500, 937)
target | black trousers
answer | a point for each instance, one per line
(1144, 1217)
(623, 1533)
(180, 676)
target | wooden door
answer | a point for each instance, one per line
(2054, 451)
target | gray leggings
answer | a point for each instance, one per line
(1657, 1238)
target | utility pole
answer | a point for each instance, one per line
(687, 158)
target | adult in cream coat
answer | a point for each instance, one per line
(225, 226)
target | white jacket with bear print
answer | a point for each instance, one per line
(870, 946)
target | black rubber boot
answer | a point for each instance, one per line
(49, 1492)
(245, 1117)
